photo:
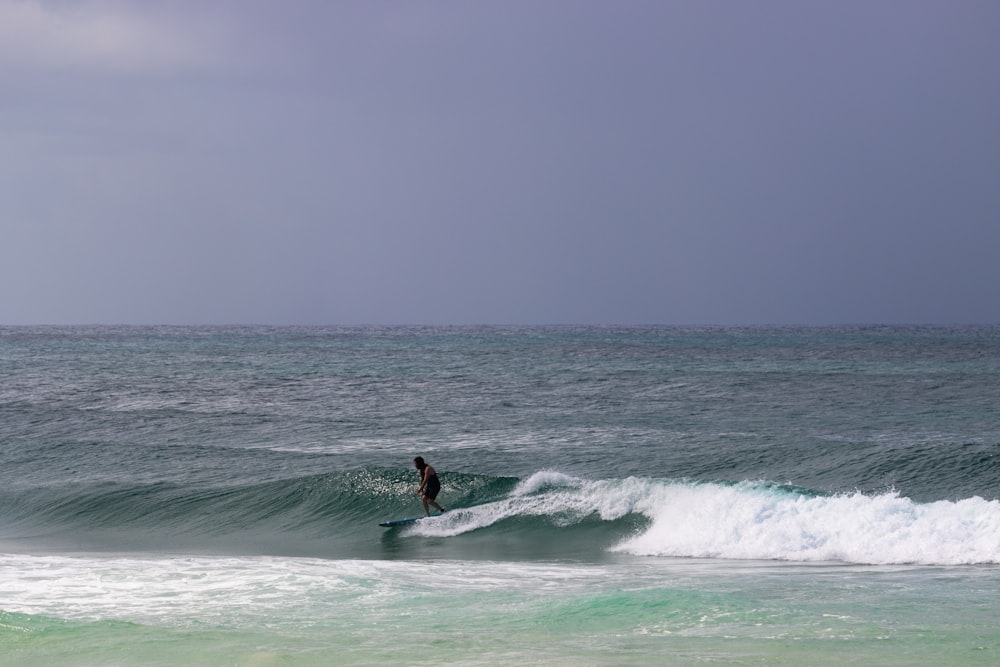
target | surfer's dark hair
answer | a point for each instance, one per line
(420, 462)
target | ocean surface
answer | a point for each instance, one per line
(617, 496)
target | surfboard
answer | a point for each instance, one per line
(403, 522)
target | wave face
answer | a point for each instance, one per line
(546, 515)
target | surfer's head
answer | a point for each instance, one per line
(418, 462)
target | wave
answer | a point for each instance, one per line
(751, 520)
(331, 507)
(548, 514)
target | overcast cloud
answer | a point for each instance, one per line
(542, 161)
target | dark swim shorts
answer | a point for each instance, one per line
(432, 488)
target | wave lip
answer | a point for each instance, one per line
(765, 522)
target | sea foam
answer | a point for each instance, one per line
(752, 520)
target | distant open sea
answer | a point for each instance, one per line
(617, 496)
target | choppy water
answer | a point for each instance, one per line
(179, 496)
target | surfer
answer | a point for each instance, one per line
(430, 485)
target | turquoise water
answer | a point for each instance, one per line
(162, 610)
(206, 496)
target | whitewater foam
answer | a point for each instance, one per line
(754, 521)
(186, 589)
(750, 521)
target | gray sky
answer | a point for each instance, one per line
(540, 161)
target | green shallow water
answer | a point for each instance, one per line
(207, 611)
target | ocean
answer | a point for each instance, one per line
(616, 496)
